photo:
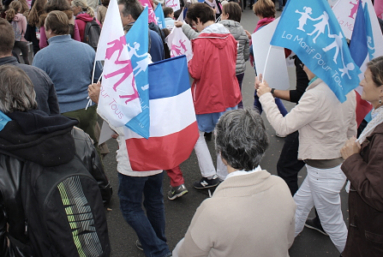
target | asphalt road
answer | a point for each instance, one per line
(180, 211)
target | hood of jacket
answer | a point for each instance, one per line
(216, 33)
(84, 17)
(232, 26)
(37, 137)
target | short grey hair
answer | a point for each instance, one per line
(131, 7)
(16, 90)
(241, 138)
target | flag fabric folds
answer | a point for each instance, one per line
(179, 44)
(310, 29)
(173, 125)
(137, 40)
(119, 100)
(159, 12)
(152, 15)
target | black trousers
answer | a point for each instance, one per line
(288, 164)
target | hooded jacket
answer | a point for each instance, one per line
(215, 87)
(48, 141)
(81, 21)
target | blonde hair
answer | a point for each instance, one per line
(14, 8)
(84, 6)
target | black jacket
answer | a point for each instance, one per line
(45, 140)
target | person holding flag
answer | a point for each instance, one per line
(324, 124)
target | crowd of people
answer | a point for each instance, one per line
(52, 180)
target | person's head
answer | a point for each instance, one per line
(168, 12)
(81, 6)
(105, 3)
(14, 8)
(241, 139)
(264, 9)
(231, 11)
(7, 38)
(199, 14)
(373, 81)
(16, 90)
(56, 24)
(130, 10)
(57, 5)
(36, 11)
(24, 6)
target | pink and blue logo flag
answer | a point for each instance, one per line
(4, 119)
(173, 125)
(310, 29)
(137, 40)
(148, 5)
(160, 16)
(119, 101)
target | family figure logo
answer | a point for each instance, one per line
(354, 9)
(319, 42)
(171, 3)
(180, 49)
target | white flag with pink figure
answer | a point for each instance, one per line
(175, 4)
(119, 100)
(152, 15)
(179, 44)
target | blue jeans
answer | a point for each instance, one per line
(278, 102)
(150, 229)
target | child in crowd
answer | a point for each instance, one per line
(169, 17)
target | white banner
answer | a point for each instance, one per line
(179, 44)
(175, 4)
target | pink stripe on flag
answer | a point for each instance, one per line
(153, 153)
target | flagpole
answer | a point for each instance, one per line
(267, 59)
(94, 69)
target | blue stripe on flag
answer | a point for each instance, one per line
(358, 45)
(170, 77)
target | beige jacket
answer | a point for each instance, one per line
(324, 123)
(250, 215)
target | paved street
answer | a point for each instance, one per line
(180, 212)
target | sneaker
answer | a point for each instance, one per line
(139, 245)
(314, 224)
(206, 183)
(175, 192)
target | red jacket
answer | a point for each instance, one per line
(81, 21)
(215, 87)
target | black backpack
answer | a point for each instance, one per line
(92, 33)
(64, 212)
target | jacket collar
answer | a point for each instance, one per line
(8, 60)
(59, 39)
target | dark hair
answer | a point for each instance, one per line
(177, 14)
(376, 68)
(16, 90)
(234, 11)
(58, 22)
(241, 138)
(131, 7)
(105, 3)
(264, 8)
(7, 37)
(201, 11)
(167, 11)
(59, 5)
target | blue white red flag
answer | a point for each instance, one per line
(160, 17)
(173, 125)
(362, 49)
(119, 100)
(310, 29)
(137, 40)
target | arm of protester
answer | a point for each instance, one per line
(43, 38)
(94, 91)
(364, 176)
(283, 94)
(248, 34)
(189, 32)
(304, 113)
(352, 126)
(196, 64)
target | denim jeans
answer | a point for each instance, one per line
(150, 229)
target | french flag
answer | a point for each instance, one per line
(173, 125)
(361, 52)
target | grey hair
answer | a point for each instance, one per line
(16, 90)
(241, 138)
(131, 7)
